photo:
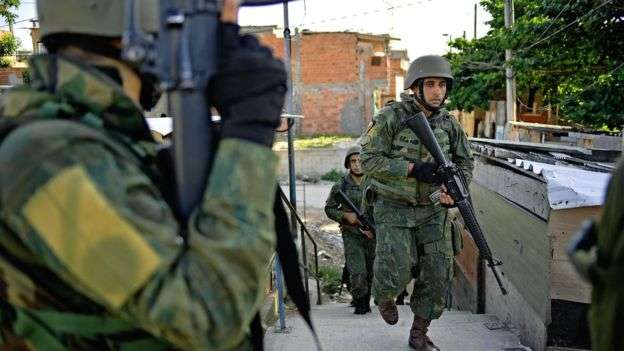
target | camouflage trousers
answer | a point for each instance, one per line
(359, 256)
(413, 243)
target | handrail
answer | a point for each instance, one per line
(304, 229)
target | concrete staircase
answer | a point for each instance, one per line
(340, 330)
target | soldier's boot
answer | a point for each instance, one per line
(361, 306)
(400, 300)
(389, 312)
(367, 304)
(418, 339)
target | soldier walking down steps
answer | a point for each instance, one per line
(413, 231)
(359, 246)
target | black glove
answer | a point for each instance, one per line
(248, 91)
(425, 172)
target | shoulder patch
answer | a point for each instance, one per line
(104, 252)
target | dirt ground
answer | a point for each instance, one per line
(327, 236)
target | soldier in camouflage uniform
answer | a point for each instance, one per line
(599, 257)
(359, 246)
(413, 232)
(91, 255)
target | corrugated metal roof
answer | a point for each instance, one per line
(571, 182)
(569, 187)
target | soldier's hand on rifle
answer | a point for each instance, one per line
(351, 218)
(445, 199)
(229, 12)
(424, 171)
(368, 234)
(249, 88)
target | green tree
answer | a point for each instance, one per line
(8, 43)
(7, 10)
(569, 51)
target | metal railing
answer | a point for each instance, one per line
(305, 233)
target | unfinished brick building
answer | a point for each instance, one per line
(340, 79)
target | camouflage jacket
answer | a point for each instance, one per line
(86, 231)
(607, 307)
(389, 146)
(334, 206)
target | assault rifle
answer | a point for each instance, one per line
(366, 224)
(183, 57)
(456, 186)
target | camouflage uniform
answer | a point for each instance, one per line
(607, 307)
(359, 250)
(413, 234)
(91, 255)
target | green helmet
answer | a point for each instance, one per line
(425, 67)
(93, 17)
(352, 151)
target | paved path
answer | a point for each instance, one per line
(340, 330)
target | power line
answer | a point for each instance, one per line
(565, 27)
(366, 13)
(554, 20)
(20, 21)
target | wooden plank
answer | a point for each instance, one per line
(564, 224)
(520, 240)
(527, 192)
(566, 284)
(562, 227)
(464, 293)
(467, 259)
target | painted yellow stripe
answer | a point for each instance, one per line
(100, 248)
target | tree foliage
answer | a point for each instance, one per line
(7, 10)
(570, 52)
(8, 43)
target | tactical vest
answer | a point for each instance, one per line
(355, 193)
(31, 317)
(407, 146)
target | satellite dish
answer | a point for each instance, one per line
(262, 2)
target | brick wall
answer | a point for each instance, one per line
(334, 79)
(9, 74)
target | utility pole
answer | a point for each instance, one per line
(475, 22)
(509, 72)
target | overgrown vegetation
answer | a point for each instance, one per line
(8, 43)
(320, 141)
(316, 142)
(571, 53)
(333, 176)
(330, 277)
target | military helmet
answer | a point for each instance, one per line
(93, 17)
(425, 67)
(352, 151)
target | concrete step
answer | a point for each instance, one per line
(340, 330)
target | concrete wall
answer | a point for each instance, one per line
(312, 162)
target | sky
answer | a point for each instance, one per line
(420, 24)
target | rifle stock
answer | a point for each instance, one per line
(457, 188)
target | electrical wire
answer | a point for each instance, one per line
(553, 20)
(564, 27)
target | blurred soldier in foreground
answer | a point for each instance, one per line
(598, 254)
(413, 230)
(359, 246)
(91, 255)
